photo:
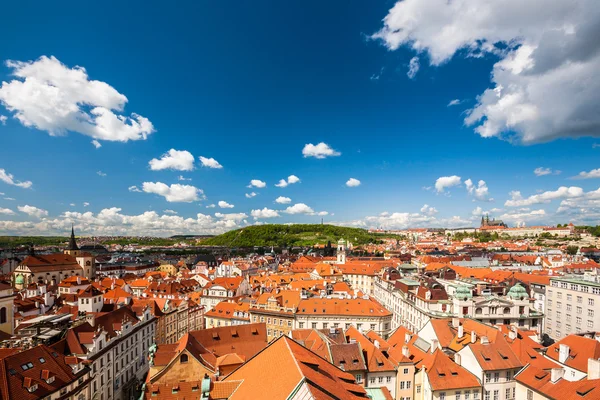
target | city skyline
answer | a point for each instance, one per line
(280, 113)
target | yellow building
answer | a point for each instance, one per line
(6, 308)
(169, 269)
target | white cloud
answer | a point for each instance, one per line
(454, 102)
(444, 182)
(72, 204)
(595, 173)
(562, 192)
(290, 180)
(257, 183)
(322, 213)
(428, 210)
(33, 211)
(10, 179)
(224, 204)
(283, 200)
(182, 178)
(321, 150)
(541, 171)
(85, 204)
(232, 216)
(545, 85)
(170, 212)
(210, 162)
(519, 217)
(211, 206)
(134, 189)
(9, 198)
(299, 208)
(352, 182)
(6, 211)
(179, 160)
(478, 211)
(3, 119)
(100, 173)
(175, 193)
(264, 213)
(480, 192)
(250, 195)
(96, 144)
(52, 97)
(413, 67)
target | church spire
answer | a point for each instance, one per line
(72, 242)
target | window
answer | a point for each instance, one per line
(569, 307)
(496, 394)
(579, 299)
(507, 394)
(529, 394)
(358, 378)
(569, 297)
(579, 310)
(457, 393)
(467, 394)
(590, 313)
(405, 371)
(496, 377)
(380, 379)
(486, 396)
(488, 377)
(590, 302)
(314, 325)
(508, 375)
(418, 388)
(372, 380)
(183, 359)
(388, 379)
(442, 395)
(3, 317)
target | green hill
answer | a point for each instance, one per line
(291, 235)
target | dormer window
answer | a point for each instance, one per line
(32, 388)
(50, 379)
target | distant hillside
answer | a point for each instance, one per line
(291, 235)
(16, 241)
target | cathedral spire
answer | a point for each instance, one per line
(72, 242)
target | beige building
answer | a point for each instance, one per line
(6, 308)
(572, 305)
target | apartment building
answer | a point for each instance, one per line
(572, 305)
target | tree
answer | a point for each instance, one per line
(572, 250)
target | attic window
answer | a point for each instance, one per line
(485, 357)
(27, 366)
(442, 374)
(215, 336)
(454, 373)
(12, 371)
(585, 390)
(504, 356)
(42, 360)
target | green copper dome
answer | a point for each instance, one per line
(517, 292)
(19, 280)
(463, 292)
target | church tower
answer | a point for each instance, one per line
(341, 252)
(85, 260)
(72, 249)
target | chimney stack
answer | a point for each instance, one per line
(461, 331)
(405, 351)
(434, 345)
(484, 340)
(563, 353)
(593, 368)
(556, 374)
(457, 358)
(455, 322)
(473, 337)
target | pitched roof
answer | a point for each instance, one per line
(293, 365)
(540, 381)
(496, 355)
(580, 349)
(324, 306)
(445, 374)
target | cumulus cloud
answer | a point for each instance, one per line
(428, 210)
(519, 217)
(6, 211)
(454, 102)
(33, 211)
(10, 179)
(352, 182)
(85, 204)
(413, 67)
(179, 160)
(264, 213)
(257, 183)
(290, 180)
(479, 192)
(444, 182)
(231, 216)
(175, 193)
(562, 192)
(544, 86)
(283, 200)
(3, 119)
(211, 206)
(321, 150)
(250, 195)
(299, 208)
(134, 189)
(100, 173)
(96, 144)
(183, 178)
(49, 96)
(224, 204)
(210, 162)
(170, 212)
(595, 173)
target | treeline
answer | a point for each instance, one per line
(292, 235)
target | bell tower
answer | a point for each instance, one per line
(341, 252)
(72, 249)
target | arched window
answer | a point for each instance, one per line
(478, 311)
(183, 359)
(3, 315)
(506, 310)
(88, 263)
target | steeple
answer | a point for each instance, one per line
(72, 242)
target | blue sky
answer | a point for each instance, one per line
(251, 84)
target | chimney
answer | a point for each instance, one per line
(563, 353)
(512, 335)
(556, 374)
(461, 331)
(79, 280)
(593, 368)
(405, 351)
(434, 344)
(484, 340)
(457, 358)
(407, 337)
(455, 322)
(473, 337)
